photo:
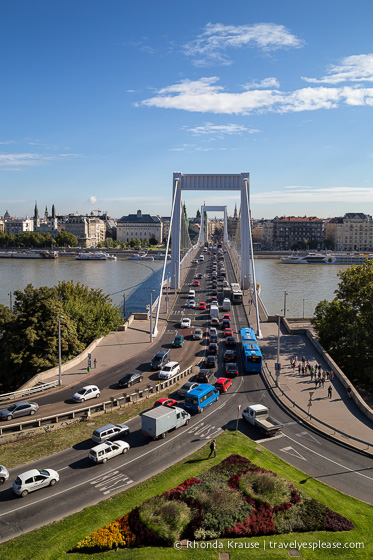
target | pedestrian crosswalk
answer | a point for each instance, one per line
(111, 482)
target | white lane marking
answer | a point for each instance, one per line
(307, 435)
(121, 486)
(267, 439)
(94, 478)
(327, 459)
(291, 451)
(103, 477)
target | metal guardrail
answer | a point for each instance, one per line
(309, 417)
(39, 388)
(86, 412)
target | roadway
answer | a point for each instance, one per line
(82, 484)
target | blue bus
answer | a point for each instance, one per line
(197, 399)
(251, 355)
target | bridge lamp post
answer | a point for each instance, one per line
(151, 315)
(278, 364)
(59, 349)
(285, 294)
(303, 308)
(168, 290)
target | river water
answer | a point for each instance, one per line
(305, 285)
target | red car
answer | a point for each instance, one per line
(227, 332)
(196, 283)
(227, 316)
(223, 384)
(164, 402)
(202, 305)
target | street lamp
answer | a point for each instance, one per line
(277, 364)
(285, 294)
(59, 349)
(168, 290)
(151, 315)
(303, 308)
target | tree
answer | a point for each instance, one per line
(29, 334)
(345, 325)
(64, 238)
(153, 241)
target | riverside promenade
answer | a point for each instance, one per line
(338, 417)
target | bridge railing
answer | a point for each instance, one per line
(27, 428)
(39, 388)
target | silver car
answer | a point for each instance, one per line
(188, 386)
(34, 479)
(198, 334)
(87, 392)
(19, 409)
(4, 474)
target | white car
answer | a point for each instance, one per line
(169, 370)
(87, 392)
(192, 303)
(185, 323)
(4, 474)
(34, 479)
(107, 450)
(213, 330)
(198, 334)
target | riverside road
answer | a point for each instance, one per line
(82, 484)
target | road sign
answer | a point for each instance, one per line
(277, 366)
(89, 356)
(89, 362)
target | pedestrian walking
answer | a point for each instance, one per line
(331, 375)
(303, 360)
(349, 392)
(308, 365)
(95, 363)
(316, 382)
(330, 391)
(323, 382)
(311, 373)
(212, 448)
(319, 379)
(302, 370)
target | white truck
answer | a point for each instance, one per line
(156, 422)
(258, 415)
(214, 311)
(226, 304)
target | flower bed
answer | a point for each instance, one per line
(233, 499)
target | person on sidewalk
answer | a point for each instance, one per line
(212, 449)
(330, 392)
(331, 375)
(349, 392)
(95, 363)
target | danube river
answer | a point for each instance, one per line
(305, 285)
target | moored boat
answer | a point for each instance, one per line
(97, 256)
(328, 258)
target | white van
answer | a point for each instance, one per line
(101, 453)
(201, 258)
(192, 294)
(226, 304)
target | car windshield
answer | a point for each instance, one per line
(167, 368)
(157, 359)
(11, 408)
(81, 392)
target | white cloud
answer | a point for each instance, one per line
(221, 130)
(15, 162)
(216, 38)
(357, 68)
(267, 83)
(93, 199)
(306, 194)
(205, 96)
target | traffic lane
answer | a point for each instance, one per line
(327, 462)
(81, 487)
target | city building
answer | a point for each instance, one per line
(353, 232)
(292, 233)
(47, 224)
(89, 230)
(18, 225)
(139, 226)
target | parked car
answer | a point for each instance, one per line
(202, 306)
(4, 474)
(188, 386)
(230, 341)
(185, 323)
(86, 393)
(130, 379)
(191, 303)
(227, 332)
(213, 348)
(101, 453)
(211, 361)
(19, 409)
(223, 384)
(231, 369)
(164, 402)
(229, 355)
(204, 375)
(160, 359)
(198, 334)
(110, 432)
(178, 341)
(34, 479)
(169, 370)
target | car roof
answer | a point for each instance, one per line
(222, 380)
(104, 444)
(172, 363)
(90, 387)
(31, 472)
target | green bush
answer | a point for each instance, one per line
(265, 488)
(222, 506)
(166, 518)
(291, 520)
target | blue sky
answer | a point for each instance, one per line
(101, 101)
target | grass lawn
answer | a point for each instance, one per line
(53, 541)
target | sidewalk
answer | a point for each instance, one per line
(117, 347)
(339, 416)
